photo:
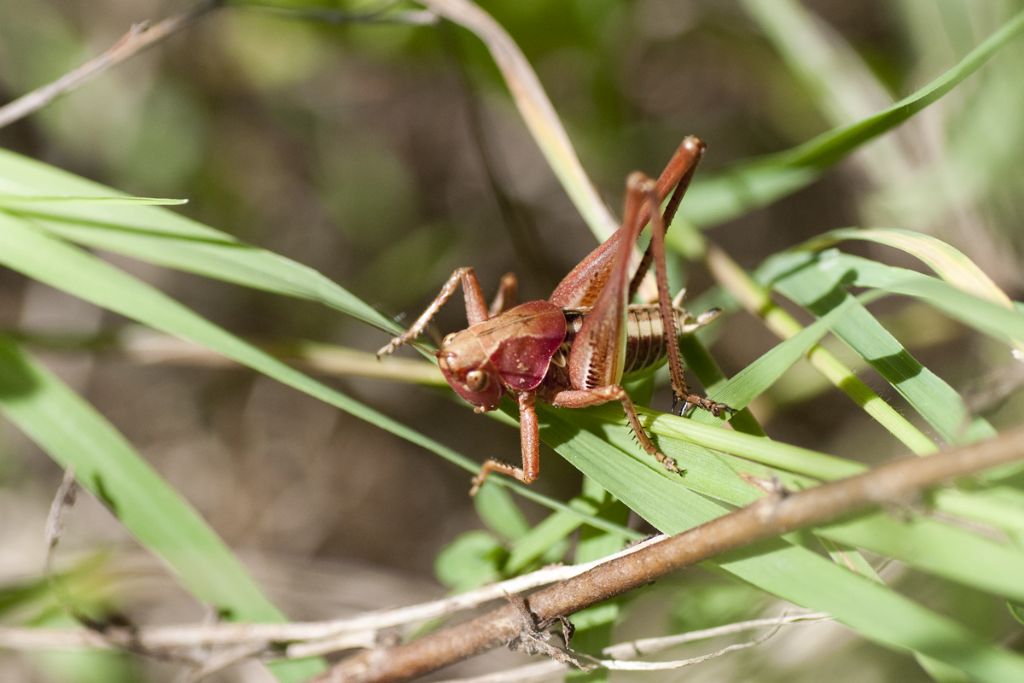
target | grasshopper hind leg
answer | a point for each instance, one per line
(680, 391)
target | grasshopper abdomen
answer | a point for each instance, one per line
(646, 333)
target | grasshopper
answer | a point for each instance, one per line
(573, 349)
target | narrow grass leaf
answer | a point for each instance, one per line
(948, 262)
(535, 108)
(819, 286)
(756, 299)
(700, 362)
(999, 507)
(16, 200)
(794, 573)
(500, 513)
(50, 260)
(937, 548)
(760, 449)
(1001, 323)
(754, 380)
(74, 434)
(550, 531)
(831, 72)
(758, 182)
(158, 236)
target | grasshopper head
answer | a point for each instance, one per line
(467, 369)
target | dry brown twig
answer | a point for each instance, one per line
(619, 656)
(580, 586)
(769, 517)
(139, 37)
(304, 639)
(144, 34)
(62, 501)
(534, 106)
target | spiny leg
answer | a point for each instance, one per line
(529, 439)
(680, 390)
(476, 307)
(598, 349)
(676, 177)
(506, 296)
(584, 398)
(581, 287)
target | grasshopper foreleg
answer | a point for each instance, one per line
(506, 296)
(476, 307)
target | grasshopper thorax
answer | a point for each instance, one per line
(511, 351)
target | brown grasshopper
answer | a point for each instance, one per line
(573, 349)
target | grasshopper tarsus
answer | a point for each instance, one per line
(680, 408)
(670, 464)
(502, 468)
(685, 405)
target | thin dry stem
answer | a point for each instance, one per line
(757, 300)
(621, 655)
(535, 108)
(138, 38)
(62, 500)
(767, 518)
(304, 639)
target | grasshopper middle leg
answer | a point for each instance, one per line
(584, 398)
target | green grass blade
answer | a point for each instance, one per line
(499, 512)
(755, 379)
(995, 320)
(873, 610)
(164, 238)
(757, 300)
(829, 69)
(34, 253)
(709, 453)
(700, 362)
(552, 530)
(948, 262)
(536, 109)
(835, 78)
(998, 507)
(14, 200)
(74, 434)
(937, 548)
(819, 287)
(760, 181)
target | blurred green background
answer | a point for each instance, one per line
(384, 155)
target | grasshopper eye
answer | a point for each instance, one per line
(477, 380)
(447, 339)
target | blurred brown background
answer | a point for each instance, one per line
(364, 150)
